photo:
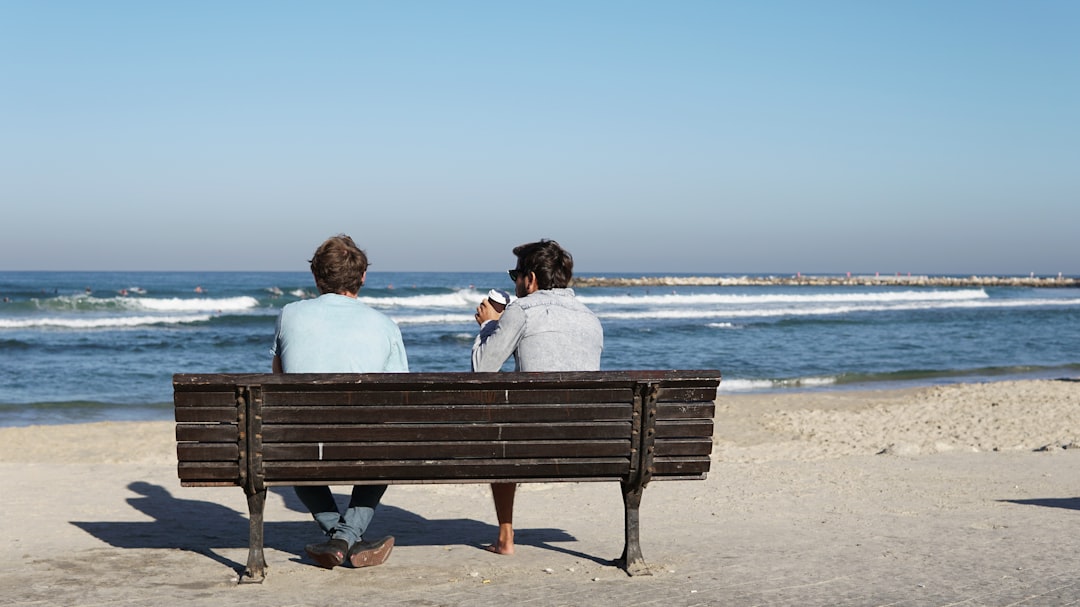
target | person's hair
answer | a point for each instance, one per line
(552, 264)
(339, 265)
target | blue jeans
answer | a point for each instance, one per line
(349, 526)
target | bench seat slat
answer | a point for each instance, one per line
(684, 428)
(359, 395)
(439, 432)
(219, 398)
(686, 394)
(455, 413)
(207, 433)
(680, 465)
(206, 414)
(459, 481)
(208, 452)
(444, 451)
(683, 446)
(685, 410)
(453, 469)
(209, 471)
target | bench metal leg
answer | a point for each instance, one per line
(255, 572)
(631, 560)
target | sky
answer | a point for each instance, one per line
(685, 137)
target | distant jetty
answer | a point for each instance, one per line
(828, 280)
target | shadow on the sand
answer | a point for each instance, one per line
(1068, 503)
(410, 529)
(206, 527)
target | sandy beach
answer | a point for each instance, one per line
(964, 494)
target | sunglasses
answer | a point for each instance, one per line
(515, 274)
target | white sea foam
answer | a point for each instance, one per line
(766, 312)
(99, 323)
(462, 298)
(176, 304)
(433, 319)
(746, 385)
(779, 298)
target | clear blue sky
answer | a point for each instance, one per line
(691, 136)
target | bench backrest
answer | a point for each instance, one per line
(292, 429)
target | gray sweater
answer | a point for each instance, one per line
(549, 330)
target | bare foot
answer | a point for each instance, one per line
(497, 549)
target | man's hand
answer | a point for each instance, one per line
(485, 312)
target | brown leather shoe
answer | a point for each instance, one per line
(328, 554)
(369, 554)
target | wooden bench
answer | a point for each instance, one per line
(261, 430)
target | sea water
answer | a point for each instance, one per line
(89, 346)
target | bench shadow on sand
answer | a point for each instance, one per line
(205, 527)
(1068, 503)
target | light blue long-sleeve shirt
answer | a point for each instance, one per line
(338, 334)
(548, 330)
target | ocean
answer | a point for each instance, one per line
(90, 346)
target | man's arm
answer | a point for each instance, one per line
(398, 360)
(498, 339)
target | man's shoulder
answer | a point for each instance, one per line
(550, 297)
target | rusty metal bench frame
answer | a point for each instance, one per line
(262, 430)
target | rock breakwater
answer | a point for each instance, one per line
(829, 280)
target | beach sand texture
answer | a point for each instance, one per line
(951, 495)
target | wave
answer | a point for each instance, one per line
(835, 310)
(77, 412)
(462, 298)
(749, 385)
(100, 323)
(176, 304)
(908, 377)
(472, 297)
(725, 299)
(86, 303)
(434, 319)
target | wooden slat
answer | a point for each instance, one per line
(460, 480)
(684, 393)
(442, 432)
(684, 410)
(217, 398)
(444, 451)
(190, 382)
(477, 469)
(207, 452)
(205, 472)
(207, 433)
(682, 446)
(438, 397)
(684, 428)
(206, 414)
(459, 413)
(682, 477)
(680, 465)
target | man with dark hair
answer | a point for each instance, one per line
(337, 333)
(546, 329)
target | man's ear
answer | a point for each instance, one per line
(531, 285)
(363, 278)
